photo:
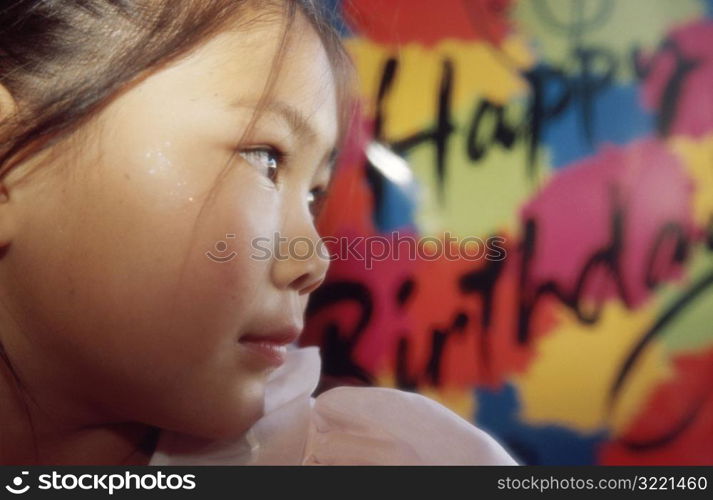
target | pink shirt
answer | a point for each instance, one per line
(342, 426)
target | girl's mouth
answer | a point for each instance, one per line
(271, 347)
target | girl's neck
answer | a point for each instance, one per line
(29, 437)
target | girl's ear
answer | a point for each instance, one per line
(6, 217)
(8, 107)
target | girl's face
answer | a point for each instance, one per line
(122, 298)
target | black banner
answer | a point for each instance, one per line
(438, 482)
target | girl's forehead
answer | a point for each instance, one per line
(293, 67)
(291, 57)
(288, 72)
(262, 36)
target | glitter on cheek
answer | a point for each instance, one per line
(162, 169)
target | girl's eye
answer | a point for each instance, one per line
(316, 199)
(266, 159)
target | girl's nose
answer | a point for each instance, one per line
(301, 260)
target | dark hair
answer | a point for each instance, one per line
(63, 61)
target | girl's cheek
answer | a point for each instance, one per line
(166, 179)
(235, 236)
(160, 169)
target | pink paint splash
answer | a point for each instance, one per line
(694, 106)
(380, 277)
(575, 216)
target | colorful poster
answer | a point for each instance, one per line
(522, 222)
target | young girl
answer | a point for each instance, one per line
(146, 145)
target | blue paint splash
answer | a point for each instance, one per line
(498, 414)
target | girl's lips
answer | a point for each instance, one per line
(269, 352)
(269, 348)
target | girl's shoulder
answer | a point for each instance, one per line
(342, 426)
(375, 425)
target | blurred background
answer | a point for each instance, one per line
(575, 137)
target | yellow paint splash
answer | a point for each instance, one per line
(576, 364)
(697, 156)
(480, 71)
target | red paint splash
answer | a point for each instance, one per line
(422, 21)
(675, 426)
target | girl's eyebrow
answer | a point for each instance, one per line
(298, 123)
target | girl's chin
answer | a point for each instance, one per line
(232, 423)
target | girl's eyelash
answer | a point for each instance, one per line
(317, 197)
(276, 159)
